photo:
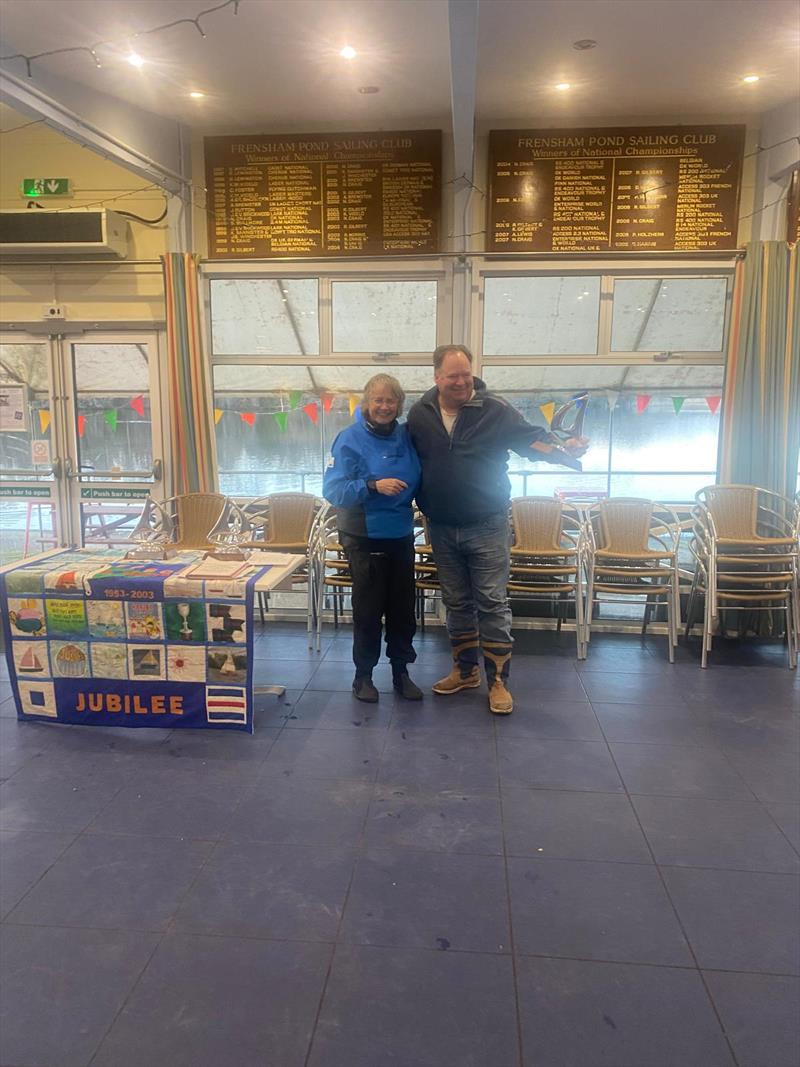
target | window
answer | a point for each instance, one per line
(541, 316)
(264, 316)
(384, 316)
(24, 389)
(668, 314)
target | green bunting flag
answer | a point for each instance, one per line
(294, 398)
(111, 418)
(677, 403)
(281, 417)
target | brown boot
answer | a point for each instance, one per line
(500, 700)
(454, 682)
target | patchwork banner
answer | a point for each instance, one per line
(94, 639)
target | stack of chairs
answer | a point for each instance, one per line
(331, 575)
(186, 520)
(282, 522)
(426, 575)
(745, 544)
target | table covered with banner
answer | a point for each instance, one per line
(93, 638)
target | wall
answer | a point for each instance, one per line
(774, 170)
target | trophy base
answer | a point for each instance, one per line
(227, 554)
(147, 553)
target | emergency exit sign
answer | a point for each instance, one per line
(34, 187)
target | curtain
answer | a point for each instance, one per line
(760, 435)
(189, 391)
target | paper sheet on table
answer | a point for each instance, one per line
(273, 559)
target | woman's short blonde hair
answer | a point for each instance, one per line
(378, 381)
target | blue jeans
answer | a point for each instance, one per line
(473, 567)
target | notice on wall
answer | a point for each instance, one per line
(630, 189)
(13, 408)
(333, 194)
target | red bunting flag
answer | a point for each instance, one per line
(713, 403)
(81, 425)
(138, 405)
(327, 402)
(642, 400)
(312, 410)
(248, 416)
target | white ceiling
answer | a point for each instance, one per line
(275, 66)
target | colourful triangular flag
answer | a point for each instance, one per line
(81, 425)
(354, 400)
(217, 415)
(642, 400)
(44, 420)
(548, 410)
(312, 410)
(677, 403)
(327, 402)
(294, 398)
(248, 416)
(612, 396)
(111, 418)
(138, 405)
(281, 418)
(713, 403)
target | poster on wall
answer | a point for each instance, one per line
(332, 194)
(631, 189)
(13, 408)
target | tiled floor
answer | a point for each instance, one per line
(609, 878)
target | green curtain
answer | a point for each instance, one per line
(760, 435)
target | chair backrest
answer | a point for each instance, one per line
(734, 509)
(291, 516)
(624, 523)
(196, 515)
(537, 525)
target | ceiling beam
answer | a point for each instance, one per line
(463, 17)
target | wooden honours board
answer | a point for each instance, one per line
(332, 194)
(626, 189)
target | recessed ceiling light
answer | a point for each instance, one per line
(563, 86)
(135, 59)
(348, 52)
(366, 90)
(750, 78)
(196, 94)
(584, 44)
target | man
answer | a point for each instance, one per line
(463, 433)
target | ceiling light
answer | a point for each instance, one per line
(584, 44)
(196, 94)
(750, 78)
(366, 90)
(135, 59)
(563, 86)
(348, 52)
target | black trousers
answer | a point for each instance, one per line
(383, 587)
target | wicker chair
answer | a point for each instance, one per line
(284, 522)
(745, 545)
(331, 571)
(546, 556)
(186, 520)
(632, 550)
(426, 575)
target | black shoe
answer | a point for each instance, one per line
(363, 689)
(406, 688)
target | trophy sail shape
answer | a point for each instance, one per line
(566, 423)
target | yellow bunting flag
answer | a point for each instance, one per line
(44, 420)
(548, 410)
(355, 400)
(217, 415)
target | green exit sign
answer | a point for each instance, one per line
(45, 187)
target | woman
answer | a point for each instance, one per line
(371, 479)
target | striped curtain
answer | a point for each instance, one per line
(189, 404)
(760, 435)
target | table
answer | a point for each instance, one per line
(93, 638)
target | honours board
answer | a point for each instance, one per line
(333, 194)
(624, 188)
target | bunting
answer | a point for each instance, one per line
(281, 417)
(548, 410)
(677, 403)
(217, 415)
(713, 403)
(612, 396)
(312, 410)
(294, 398)
(138, 405)
(44, 420)
(354, 400)
(111, 418)
(642, 400)
(327, 402)
(248, 416)
(81, 425)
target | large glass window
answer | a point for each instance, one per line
(265, 316)
(24, 406)
(384, 316)
(541, 316)
(668, 314)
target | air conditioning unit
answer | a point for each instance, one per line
(63, 233)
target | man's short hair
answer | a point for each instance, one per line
(379, 381)
(442, 350)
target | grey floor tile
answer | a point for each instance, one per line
(25, 855)
(271, 711)
(691, 832)
(221, 744)
(739, 920)
(302, 811)
(428, 900)
(761, 1016)
(251, 889)
(654, 724)
(338, 711)
(602, 911)
(220, 1002)
(107, 882)
(531, 685)
(467, 710)
(331, 676)
(453, 760)
(787, 816)
(755, 727)
(326, 754)
(611, 687)
(291, 673)
(60, 795)
(678, 770)
(579, 826)
(580, 1014)
(61, 990)
(445, 821)
(570, 720)
(774, 775)
(401, 1007)
(555, 764)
